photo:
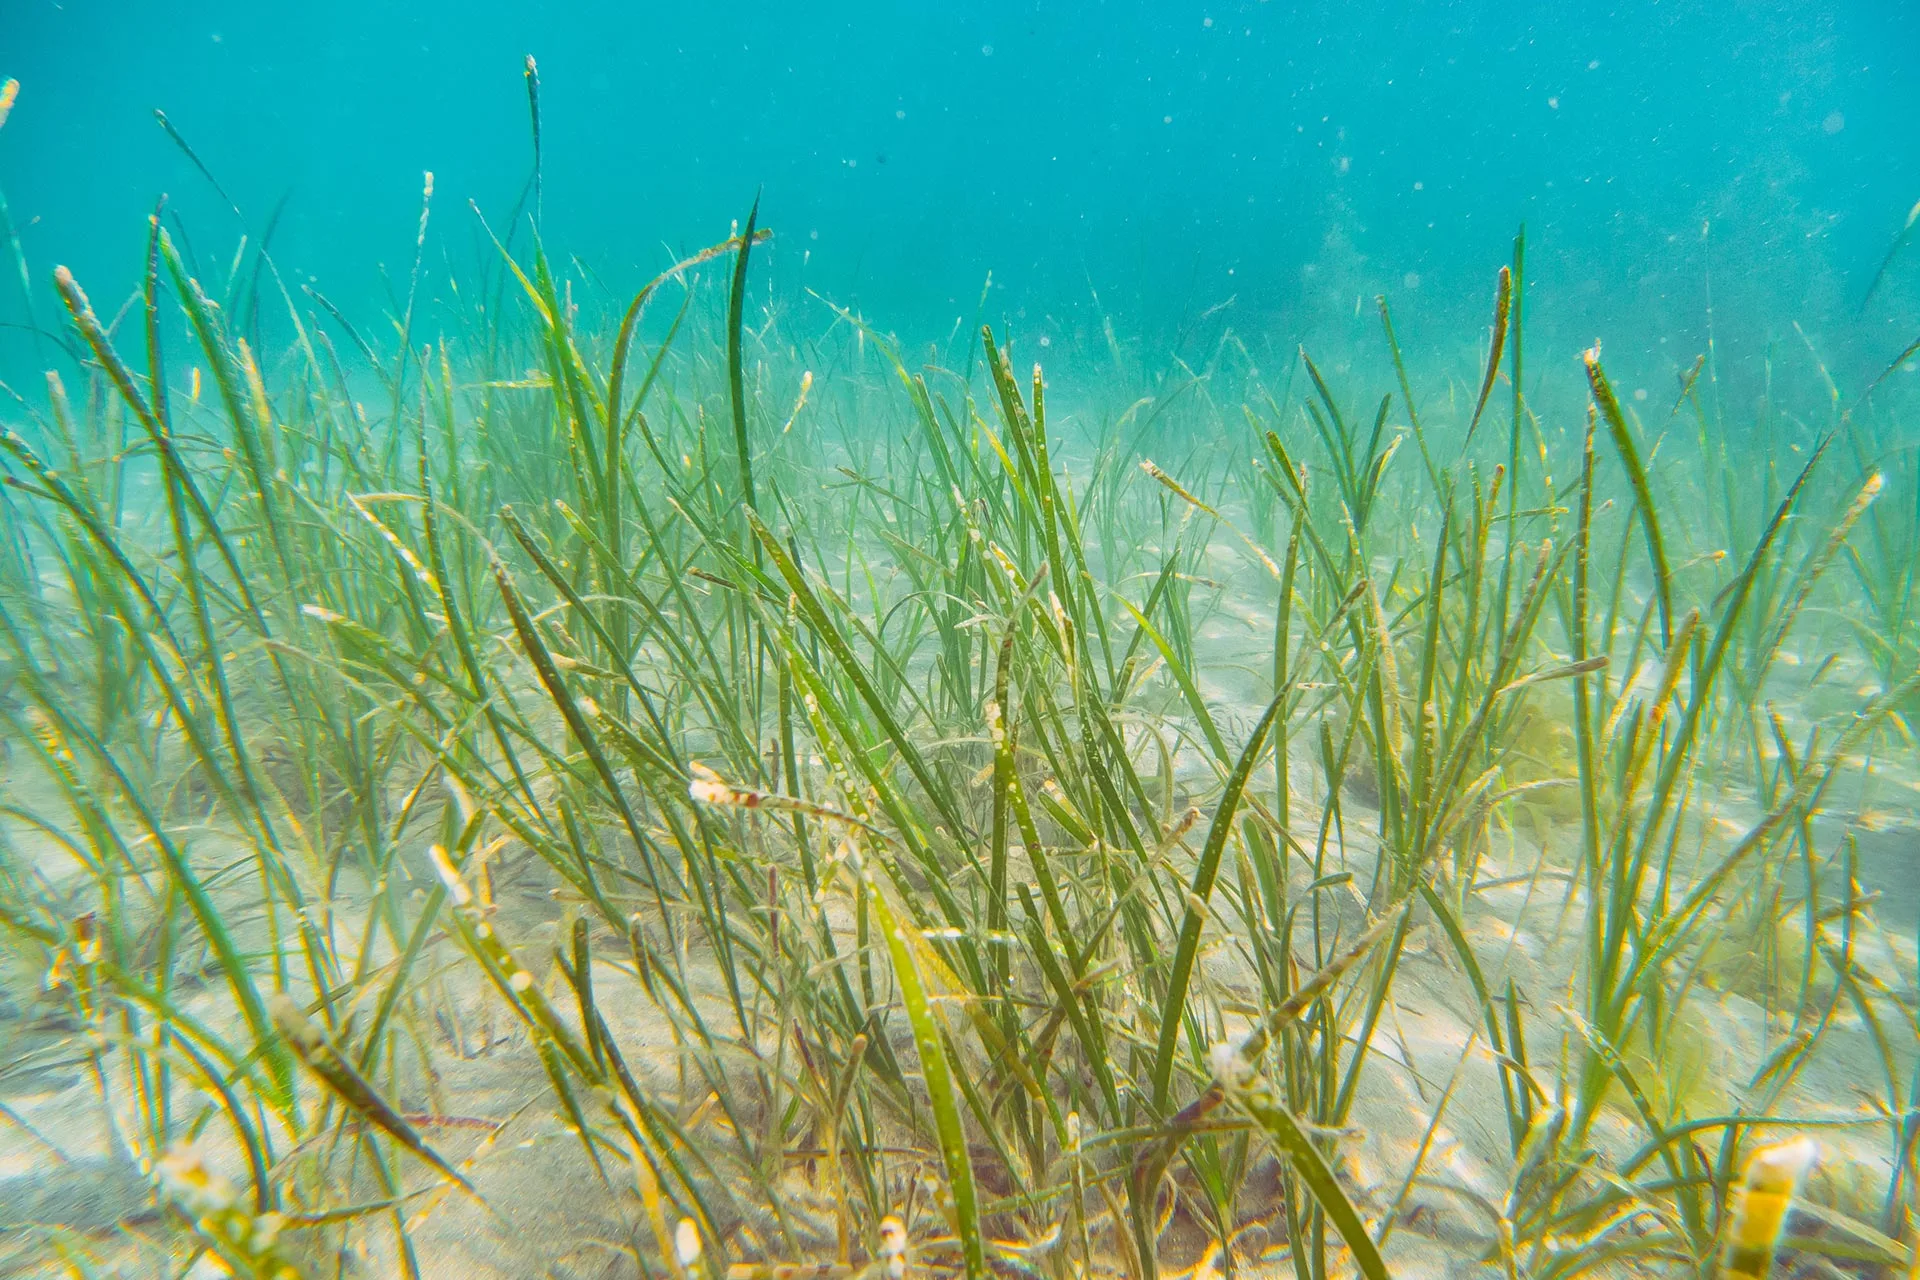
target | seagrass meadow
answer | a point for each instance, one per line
(686, 788)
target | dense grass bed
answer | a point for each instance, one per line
(581, 795)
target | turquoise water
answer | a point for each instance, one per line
(1285, 159)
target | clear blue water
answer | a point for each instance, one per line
(1291, 158)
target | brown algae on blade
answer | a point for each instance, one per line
(314, 1049)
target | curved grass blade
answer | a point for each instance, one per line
(736, 376)
(1259, 1101)
(622, 343)
(1637, 477)
(1893, 251)
(198, 163)
(1502, 304)
(569, 708)
(1174, 1006)
(1153, 1158)
(533, 111)
(938, 1073)
(352, 1088)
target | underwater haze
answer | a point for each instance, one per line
(1288, 158)
(1261, 641)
